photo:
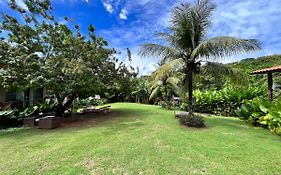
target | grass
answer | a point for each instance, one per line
(142, 139)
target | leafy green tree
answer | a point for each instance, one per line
(141, 90)
(122, 81)
(187, 47)
(39, 51)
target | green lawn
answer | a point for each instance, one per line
(142, 139)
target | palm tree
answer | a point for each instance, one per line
(165, 81)
(168, 82)
(187, 47)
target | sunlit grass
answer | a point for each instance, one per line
(142, 139)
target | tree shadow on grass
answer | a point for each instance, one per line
(117, 119)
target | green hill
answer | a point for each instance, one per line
(249, 65)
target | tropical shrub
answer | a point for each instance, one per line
(183, 106)
(225, 101)
(47, 106)
(9, 119)
(44, 107)
(192, 120)
(9, 114)
(261, 112)
(30, 111)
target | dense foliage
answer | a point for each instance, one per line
(39, 51)
(249, 65)
(225, 101)
(14, 117)
(261, 112)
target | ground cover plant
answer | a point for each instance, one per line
(142, 139)
(261, 112)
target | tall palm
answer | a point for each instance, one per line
(187, 47)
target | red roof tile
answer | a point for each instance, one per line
(268, 70)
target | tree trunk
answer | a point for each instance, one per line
(62, 107)
(59, 110)
(190, 89)
(166, 92)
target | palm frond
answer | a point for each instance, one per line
(154, 93)
(191, 22)
(219, 70)
(180, 14)
(168, 68)
(174, 82)
(156, 50)
(220, 47)
(183, 87)
(165, 36)
(201, 19)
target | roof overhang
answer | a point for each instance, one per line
(268, 70)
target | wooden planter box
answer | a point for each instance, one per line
(49, 122)
(29, 121)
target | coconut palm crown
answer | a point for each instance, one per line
(187, 47)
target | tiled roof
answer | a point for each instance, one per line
(268, 70)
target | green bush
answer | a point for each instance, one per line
(183, 106)
(9, 114)
(225, 101)
(47, 106)
(30, 111)
(192, 120)
(261, 112)
(9, 119)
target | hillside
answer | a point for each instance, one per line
(249, 65)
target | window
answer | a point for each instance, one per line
(11, 95)
(38, 95)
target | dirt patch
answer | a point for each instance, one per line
(86, 120)
(89, 164)
(43, 166)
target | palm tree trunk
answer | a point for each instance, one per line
(166, 93)
(190, 89)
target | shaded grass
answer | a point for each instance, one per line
(142, 139)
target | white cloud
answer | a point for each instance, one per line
(241, 18)
(249, 19)
(108, 6)
(21, 4)
(123, 14)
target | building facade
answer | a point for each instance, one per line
(22, 98)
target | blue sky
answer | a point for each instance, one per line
(131, 23)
